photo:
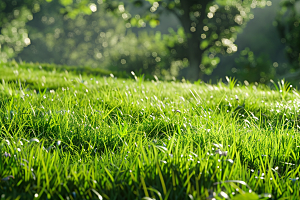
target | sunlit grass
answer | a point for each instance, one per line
(67, 136)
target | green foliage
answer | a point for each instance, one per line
(78, 70)
(205, 34)
(231, 82)
(246, 196)
(207, 29)
(86, 40)
(143, 54)
(287, 22)
(253, 69)
(67, 136)
(283, 87)
(210, 27)
(13, 34)
(59, 39)
(108, 44)
(14, 14)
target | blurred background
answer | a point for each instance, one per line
(251, 40)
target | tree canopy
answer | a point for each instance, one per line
(288, 25)
(14, 14)
(210, 26)
(207, 28)
(97, 40)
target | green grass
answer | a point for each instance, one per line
(67, 136)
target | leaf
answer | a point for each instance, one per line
(246, 196)
(162, 148)
(234, 181)
(151, 1)
(218, 145)
(171, 5)
(204, 44)
(49, 148)
(34, 140)
(8, 143)
(66, 2)
(265, 195)
(133, 21)
(161, 179)
(238, 108)
(97, 193)
(274, 85)
(181, 32)
(157, 192)
(153, 23)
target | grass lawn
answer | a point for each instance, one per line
(67, 136)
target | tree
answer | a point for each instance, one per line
(14, 14)
(288, 25)
(97, 40)
(253, 68)
(210, 26)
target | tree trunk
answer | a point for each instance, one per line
(194, 73)
(193, 40)
(195, 57)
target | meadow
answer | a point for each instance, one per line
(97, 136)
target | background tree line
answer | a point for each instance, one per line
(167, 38)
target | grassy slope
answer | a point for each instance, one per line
(124, 139)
